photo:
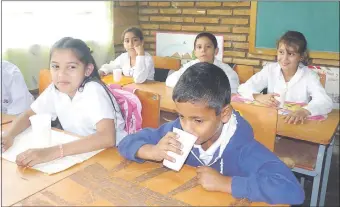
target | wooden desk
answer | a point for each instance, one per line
(5, 118)
(312, 131)
(110, 180)
(18, 183)
(160, 88)
(108, 79)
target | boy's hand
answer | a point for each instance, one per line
(267, 99)
(212, 180)
(168, 143)
(33, 157)
(297, 116)
(6, 142)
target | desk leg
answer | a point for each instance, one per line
(326, 173)
(317, 177)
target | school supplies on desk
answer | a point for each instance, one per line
(288, 107)
(23, 142)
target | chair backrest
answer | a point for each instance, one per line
(244, 72)
(163, 65)
(150, 108)
(45, 79)
(263, 121)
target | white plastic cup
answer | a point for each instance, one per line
(281, 99)
(188, 141)
(41, 129)
(117, 75)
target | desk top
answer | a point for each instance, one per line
(108, 79)
(19, 183)
(112, 180)
(5, 118)
(320, 132)
(160, 88)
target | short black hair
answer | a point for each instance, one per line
(203, 83)
(209, 36)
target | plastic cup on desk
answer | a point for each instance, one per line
(281, 99)
(188, 141)
(41, 128)
(117, 75)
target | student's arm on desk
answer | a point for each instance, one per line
(18, 125)
(266, 178)
(144, 64)
(103, 138)
(136, 147)
(108, 68)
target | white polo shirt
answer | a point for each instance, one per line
(80, 114)
(15, 97)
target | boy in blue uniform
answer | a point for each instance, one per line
(227, 157)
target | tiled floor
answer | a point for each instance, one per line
(332, 195)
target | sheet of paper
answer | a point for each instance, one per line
(24, 142)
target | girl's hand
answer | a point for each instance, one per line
(297, 116)
(6, 142)
(140, 50)
(32, 157)
(267, 99)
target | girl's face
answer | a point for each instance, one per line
(205, 50)
(288, 57)
(130, 42)
(67, 72)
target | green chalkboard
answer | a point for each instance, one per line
(318, 21)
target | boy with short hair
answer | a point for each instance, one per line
(228, 157)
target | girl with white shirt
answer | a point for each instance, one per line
(205, 48)
(290, 77)
(81, 102)
(135, 62)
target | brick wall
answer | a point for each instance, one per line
(230, 19)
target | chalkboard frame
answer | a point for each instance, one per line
(267, 51)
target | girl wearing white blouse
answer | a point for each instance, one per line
(82, 103)
(135, 62)
(290, 78)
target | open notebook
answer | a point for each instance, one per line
(24, 142)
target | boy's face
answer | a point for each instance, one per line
(201, 121)
(205, 50)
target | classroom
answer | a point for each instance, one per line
(170, 103)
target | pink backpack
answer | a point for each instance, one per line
(129, 105)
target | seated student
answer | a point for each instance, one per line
(301, 85)
(15, 97)
(205, 48)
(228, 157)
(78, 99)
(134, 62)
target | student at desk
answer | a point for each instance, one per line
(228, 157)
(135, 62)
(205, 48)
(15, 97)
(80, 101)
(290, 78)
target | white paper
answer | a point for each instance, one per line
(188, 141)
(23, 142)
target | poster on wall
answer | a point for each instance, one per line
(181, 45)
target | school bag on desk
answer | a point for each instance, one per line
(129, 105)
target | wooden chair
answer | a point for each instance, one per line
(163, 65)
(45, 79)
(150, 108)
(244, 72)
(263, 121)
